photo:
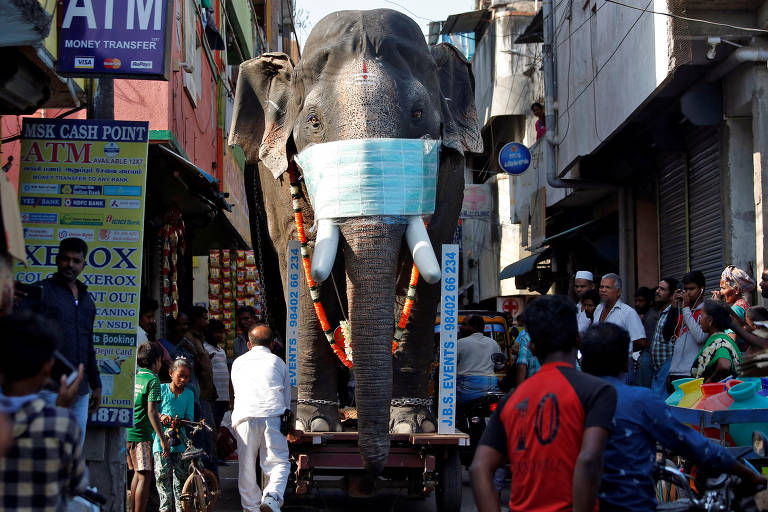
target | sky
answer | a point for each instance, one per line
(422, 12)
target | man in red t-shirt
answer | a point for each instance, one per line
(553, 428)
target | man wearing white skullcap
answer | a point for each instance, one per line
(583, 281)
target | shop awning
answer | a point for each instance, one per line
(28, 78)
(567, 232)
(23, 23)
(202, 181)
(173, 180)
(473, 21)
(522, 266)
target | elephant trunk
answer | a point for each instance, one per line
(371, 250)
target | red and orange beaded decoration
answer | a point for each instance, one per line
(339, 343)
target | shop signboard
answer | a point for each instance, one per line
(449, 315)
(477, 202)
(86, 179)
(234, 185)
(125, 39)
(514, 158)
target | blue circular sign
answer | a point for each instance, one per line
(514, 158)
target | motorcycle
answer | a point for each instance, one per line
(473, 415)
(681, 492)
(84, 498)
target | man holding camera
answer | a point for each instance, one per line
(684, 315)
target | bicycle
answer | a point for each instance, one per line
(201, 488)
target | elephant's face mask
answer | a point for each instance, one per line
(362, 177)
(386, 178)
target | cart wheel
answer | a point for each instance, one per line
(197, 496)
(448, 492)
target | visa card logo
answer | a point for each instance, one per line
(84, 62)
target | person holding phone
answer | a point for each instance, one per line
(65, 300)
(683, 322)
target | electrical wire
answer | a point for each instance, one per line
(293, 28)
(686, 18)
(232, 30)
(409, 11)
(602, 66)
(17, 136)
(572, 32)
(568, 86)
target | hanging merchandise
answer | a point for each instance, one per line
(172, 237)
(233, 282)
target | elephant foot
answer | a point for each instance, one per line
(317, 416)
(411, 419)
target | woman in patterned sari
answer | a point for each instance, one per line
(720, 356)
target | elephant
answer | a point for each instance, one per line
(364, 75)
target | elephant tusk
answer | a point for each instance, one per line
(422, 251)
(326, 244)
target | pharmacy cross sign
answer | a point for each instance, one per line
(109, 38)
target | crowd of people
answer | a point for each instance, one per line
(51, 383)
(580, 426)
(573, 438)
(583, 423)
(676, 330)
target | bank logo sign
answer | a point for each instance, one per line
(84, 62)
(129, 39)
(107, 216)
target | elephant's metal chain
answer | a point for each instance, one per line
(310, 401)
(408, 402)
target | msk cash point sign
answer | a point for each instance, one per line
(125, 38)
(86, 179)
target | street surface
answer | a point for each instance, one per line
(334, 501)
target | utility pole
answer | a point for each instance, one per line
(105, 446)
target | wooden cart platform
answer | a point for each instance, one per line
(419, 463)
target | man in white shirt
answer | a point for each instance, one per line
(614, 311)
(474, 366)
(583, 282)
(262, 388)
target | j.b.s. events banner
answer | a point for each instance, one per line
(86, 179)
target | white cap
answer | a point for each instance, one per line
(585, 274)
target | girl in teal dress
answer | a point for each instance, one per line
(176, 402)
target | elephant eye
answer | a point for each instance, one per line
(313, 120)
(417, 114)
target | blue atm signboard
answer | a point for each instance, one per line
(115, 38)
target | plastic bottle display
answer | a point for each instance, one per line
(714, 397)
(745, 397)
(677, 394)
(691, 393)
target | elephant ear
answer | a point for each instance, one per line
(461, 129)
(261, 124)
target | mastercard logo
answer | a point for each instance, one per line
(112, 63)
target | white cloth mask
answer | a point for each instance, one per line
(351, 178)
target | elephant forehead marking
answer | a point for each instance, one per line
(368, 100)
(365, 75)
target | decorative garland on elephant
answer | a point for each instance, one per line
(340, 343)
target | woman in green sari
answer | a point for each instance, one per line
(720, 356)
